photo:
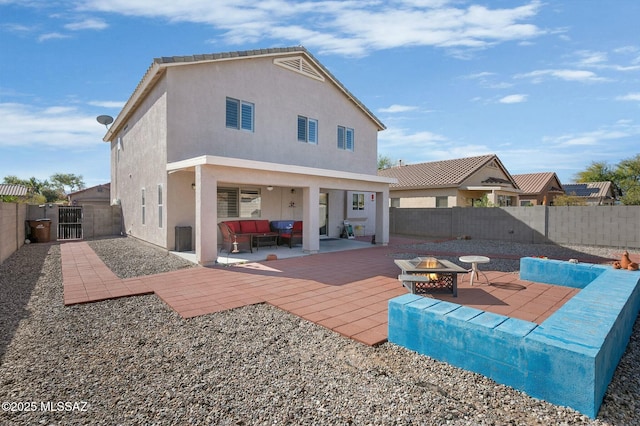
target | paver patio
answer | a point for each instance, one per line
(346, 291)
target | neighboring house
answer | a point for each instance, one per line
(266, 133)
(462, 182)
(594, 193)
(99, 194)
(538, 189)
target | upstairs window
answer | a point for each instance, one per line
(239, 114)
(345, 138)
(307, 130)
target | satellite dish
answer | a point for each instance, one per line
(105, 119)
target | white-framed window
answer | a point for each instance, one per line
(239, 202)
(357, 201)
(307, 129)
(144, 207)
(345, 138)
(160, 205)
(239, 114)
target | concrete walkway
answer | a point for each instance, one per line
(346, 291)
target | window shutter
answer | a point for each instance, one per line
(247, 116)
(340, 137)
(302, 129)
(349, 140)
(233, 112)
(228, 202)
(313, 131)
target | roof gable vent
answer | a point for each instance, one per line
(299, 65)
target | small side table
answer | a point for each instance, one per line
(260, 240)
(474, 260)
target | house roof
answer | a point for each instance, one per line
(589, 189)
(104, 185)
(443, 174)
(159, 65)
(13, 190)
(536, 183)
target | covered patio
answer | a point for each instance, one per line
(317, 197)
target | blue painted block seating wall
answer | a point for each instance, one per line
(568, 360)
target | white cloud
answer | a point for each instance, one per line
(397, 138)
(485, 79)
(479, 75)
(600, 60)
(15, 28)
(55, 126)
(397, 108)
(629, 97)
(562, 74)
(52, 36)
(589, 58)
(344, 27)
(108, 104)
(604, 137)
(87, 24)
(513, 99)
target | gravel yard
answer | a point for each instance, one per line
(135, 361)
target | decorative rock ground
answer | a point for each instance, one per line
(134, 361)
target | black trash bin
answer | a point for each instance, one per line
(40, 230)
(183, 238)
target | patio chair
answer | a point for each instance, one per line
(233, 240)
(292, 236)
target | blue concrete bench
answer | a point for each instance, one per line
(568, 360)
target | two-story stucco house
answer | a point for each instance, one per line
(268, 134)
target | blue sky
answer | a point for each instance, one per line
(545, 85)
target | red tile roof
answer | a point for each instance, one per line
(536, 183)
(438, 174)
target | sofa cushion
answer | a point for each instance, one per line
(234, 225)
(262, 226)
(248, 226)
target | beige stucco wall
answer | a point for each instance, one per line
(141, 163)
(419, 198)
(197, 99)
(484, 173)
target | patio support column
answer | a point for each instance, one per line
(494, 197)
(311, 219)
(382, 217)
(206, 216)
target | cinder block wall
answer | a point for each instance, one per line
(609, 226)
(101, 221)
(12, 229)
(97, 220)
